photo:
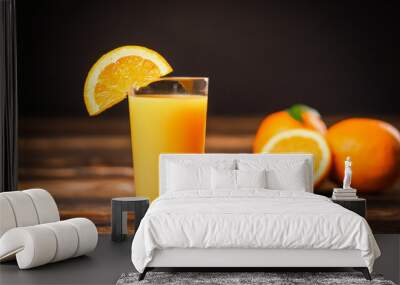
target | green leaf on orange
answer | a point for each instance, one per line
(296, 110)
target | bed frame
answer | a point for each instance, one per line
(250, 258)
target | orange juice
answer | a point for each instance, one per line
(163, 124)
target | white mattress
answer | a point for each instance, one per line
(252, 219)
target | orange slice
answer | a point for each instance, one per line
(303, 141)
(111, 77)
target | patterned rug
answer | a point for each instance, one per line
(233, 278)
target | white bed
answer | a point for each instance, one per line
(249, 227)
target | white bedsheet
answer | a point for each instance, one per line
(250, 219)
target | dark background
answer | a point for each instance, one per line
(261, 56)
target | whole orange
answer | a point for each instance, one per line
(374, 147)
(296, 117)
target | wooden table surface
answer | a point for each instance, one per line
(84, 162)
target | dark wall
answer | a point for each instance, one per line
(337, 56)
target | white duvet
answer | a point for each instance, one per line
(250, 219)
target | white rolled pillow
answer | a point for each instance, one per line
(23, 208)
(26, 208)
(32, 246)
(87, 235)
(40, 244)
(7, 219)
(67, 240)
(45, 206)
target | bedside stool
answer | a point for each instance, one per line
(357, 205)
(120, 206)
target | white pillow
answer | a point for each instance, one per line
(223, 179)
(251, 178)
(188, 174)
(181, 178)
(193, 174)
(282, 174)
(237, 179)
(291, 179)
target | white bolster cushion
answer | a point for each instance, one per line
(40, 244)
(46, 207)
(26, 208)
(7, 219)
(23, 208)
(33, 246)
(66, 238)
(87, 235)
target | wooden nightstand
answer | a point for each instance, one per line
(357, 205)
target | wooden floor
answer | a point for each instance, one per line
(85, 162)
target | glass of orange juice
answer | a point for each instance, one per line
(167, 116)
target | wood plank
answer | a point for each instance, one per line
(105, 143)
(77, 142)
(229, 143)
(61, 159)
(108, 125)
(35, 173)
(83, 189)
(65, 126)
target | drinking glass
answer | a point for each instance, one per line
(167, 116)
